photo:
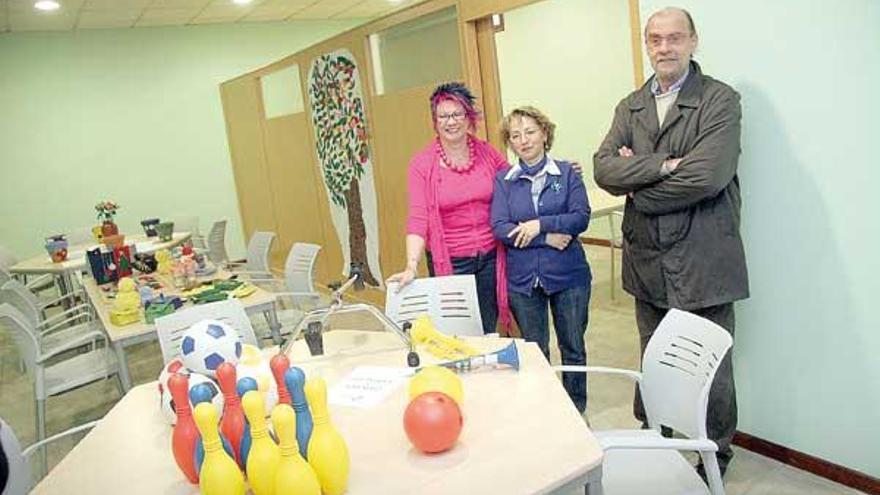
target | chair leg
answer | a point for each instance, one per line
(713, 473)
(41, 435)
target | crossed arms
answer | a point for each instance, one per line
(705, 170)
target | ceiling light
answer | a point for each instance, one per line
(242, 2)
(47, 5)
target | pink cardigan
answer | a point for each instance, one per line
(459, 214)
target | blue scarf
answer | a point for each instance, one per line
(534, 169)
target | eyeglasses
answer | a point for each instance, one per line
(449, 117)
(673, 39)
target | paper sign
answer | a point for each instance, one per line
(367, 386)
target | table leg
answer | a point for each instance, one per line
(122, 362)
(274, 325)
(594, 481)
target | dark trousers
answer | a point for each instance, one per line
(570, 309)
(482, 267)
(721, 414)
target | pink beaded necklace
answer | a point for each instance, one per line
(445, 159)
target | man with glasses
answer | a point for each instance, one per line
(672, 150)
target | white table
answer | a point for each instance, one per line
(521, 434)
(260, 302)
(77, 260)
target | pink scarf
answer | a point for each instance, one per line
(437, 244)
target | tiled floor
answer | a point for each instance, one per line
(611, 340)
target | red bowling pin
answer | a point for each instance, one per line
(185, 435)
(233, 423)
(279, 364)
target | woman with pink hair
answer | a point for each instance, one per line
(450, 196)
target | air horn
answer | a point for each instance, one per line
(505, 357)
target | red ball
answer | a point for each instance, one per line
(432, 422)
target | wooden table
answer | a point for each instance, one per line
(77, 260)
(521, 434)
(261, 301)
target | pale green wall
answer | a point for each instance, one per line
(573, 60)
(807, 342)
(132, 115)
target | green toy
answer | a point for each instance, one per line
(157, 310)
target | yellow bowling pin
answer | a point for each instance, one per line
(219, 474)
(327, 451)
(294, 474)
(263, 458)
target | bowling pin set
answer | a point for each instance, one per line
(304, 454)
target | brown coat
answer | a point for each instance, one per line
(682, 247)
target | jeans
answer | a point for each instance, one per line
(482, 267)
(570, 314)
(721, 414)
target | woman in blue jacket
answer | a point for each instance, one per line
(539, 206)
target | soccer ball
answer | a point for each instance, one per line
(208, 343)
(166, 403)
(254, 366)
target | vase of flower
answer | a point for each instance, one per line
(106, 213)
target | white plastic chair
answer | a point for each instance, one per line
(299, 288)
(217, 243)
(20, 476)
(679, 364)
(36, 284)
(61, 329)
(59, 377)
(190, 224)
(257, 264)
(172, 327)
(450, 301)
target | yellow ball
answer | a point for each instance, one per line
(436, 379)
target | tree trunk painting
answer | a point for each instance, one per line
(344, 158)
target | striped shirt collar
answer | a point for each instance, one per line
(550, 168)
(655, 84)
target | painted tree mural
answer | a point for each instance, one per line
(341, 136)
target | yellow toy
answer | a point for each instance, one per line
(165, 262)
(243, 290)
(219, 474)
(264, 456)
(436, 379)
(294, 475)
(439, 345)
(126, 307)
(327, 452)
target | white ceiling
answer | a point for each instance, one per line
(20, 15)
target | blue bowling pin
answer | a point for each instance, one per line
(202, 393)
(244, 386)
(294, 380)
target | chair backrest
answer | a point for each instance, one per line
(258, 251)
(300, 266)
(7, 259)
(217, 242)
(21, 298)
(22, 334)
(451, 302)
(5, 276)
(19, 482)
(679, 364)
(172, 327)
